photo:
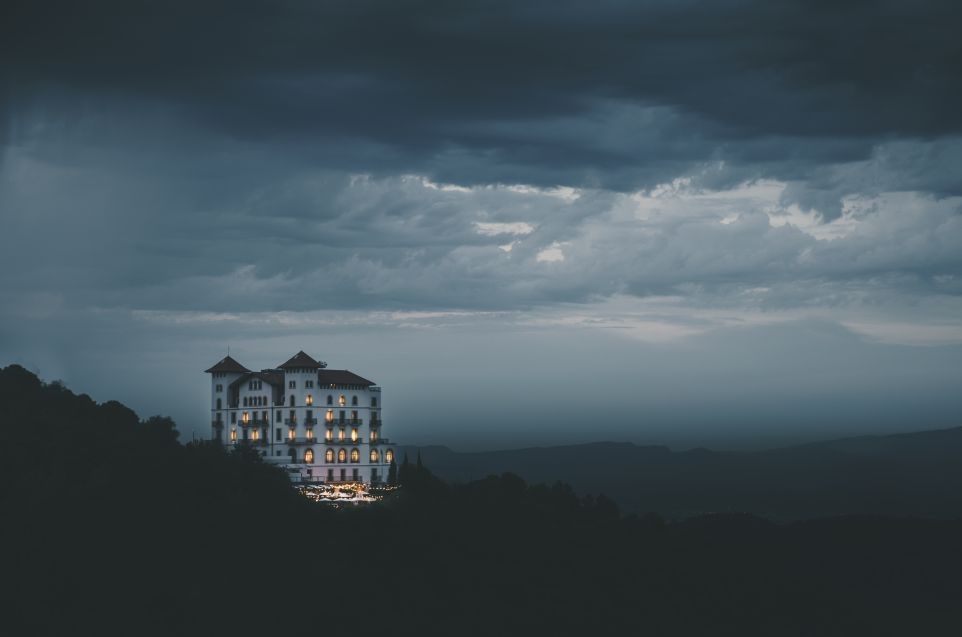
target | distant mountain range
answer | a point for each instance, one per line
(904, 474)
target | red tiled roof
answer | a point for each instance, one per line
(340, 377)
(227, 364)
(302, 360)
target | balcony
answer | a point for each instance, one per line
(310, 422)
(291, 422)
(301, 441)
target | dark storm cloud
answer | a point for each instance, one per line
(610, 94)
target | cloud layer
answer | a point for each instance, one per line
(664, 171)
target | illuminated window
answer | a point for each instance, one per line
(341, 455)
(256, 435)
(375, 456)
(374, 435)
(309, 456)
(341, 400)
(310, 434)
(353, 434)
(355, 455)
(329, 455)
(233, 435)
(389, 456)
(340, 434)
(309, 400)
(354, 401)
(245, 418)
(290, 434)
(329, 435)
(329, 417)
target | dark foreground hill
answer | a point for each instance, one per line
(905, 474)
(110, 527)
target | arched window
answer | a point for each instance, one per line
(389, 456)
(218, 403)
(329, 455)
(341, 400)
(309, 400)
(354, 401)
(375, 456)
(355, 455)
(341, 455)
(309, 456)
(330, 399)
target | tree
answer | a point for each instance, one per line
(392, 473)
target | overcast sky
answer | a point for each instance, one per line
(724, 223)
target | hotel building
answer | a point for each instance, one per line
(321, 425)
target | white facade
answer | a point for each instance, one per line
(321, 425)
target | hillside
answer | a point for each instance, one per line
(113, 528)
(904, 474)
